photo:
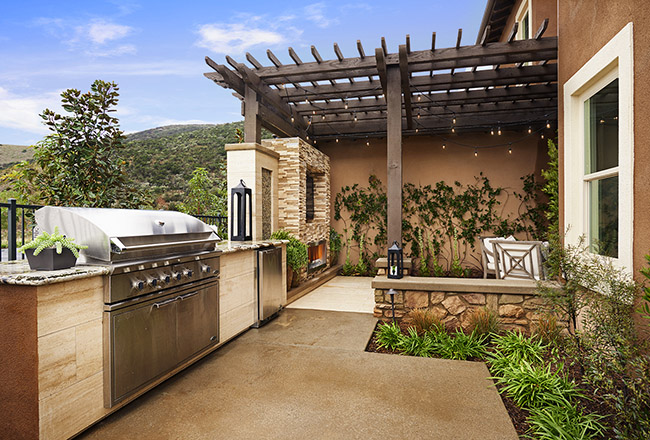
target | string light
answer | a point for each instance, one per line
(492, 131)
(418, 114)
(322, 117)
(292, 120)
(307, 137)
(419, 97)
(345, 104)
(337, 140)
(417, 130)
(367, 142)
(355, 117)
(548, 124)
(453, 130)
(313, 112)
(499, 131)
(542, 135)
(453, 121)
(444, 146)
(509, 148)
(530, 129)
(475, 152)
(314, 141)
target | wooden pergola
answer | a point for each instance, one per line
(510, 85)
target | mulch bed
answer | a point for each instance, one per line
(590, 404)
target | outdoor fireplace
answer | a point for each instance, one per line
(317, 254)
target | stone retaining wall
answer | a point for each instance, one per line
(453, 305)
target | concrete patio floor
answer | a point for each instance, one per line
(305, 376)
(340, 294)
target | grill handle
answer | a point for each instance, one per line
(120, 247)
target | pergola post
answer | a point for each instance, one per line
(394, 153)
(252, 120)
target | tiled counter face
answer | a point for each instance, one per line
(70, 363)
(237, 293)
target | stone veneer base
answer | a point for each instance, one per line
(453, 300)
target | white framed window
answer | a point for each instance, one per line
(599, 151)
(524, 18)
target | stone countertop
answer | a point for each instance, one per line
(236, 246)
(18, 273)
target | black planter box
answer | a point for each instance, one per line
(48, 259)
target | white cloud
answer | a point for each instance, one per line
(316, 14)
(101, 32)
(235, 38)
(21, 112)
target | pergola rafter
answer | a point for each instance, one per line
(306, 99)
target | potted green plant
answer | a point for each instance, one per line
(296, 256)
(51, 251)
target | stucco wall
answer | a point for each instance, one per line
(585, 27)
(540, 10)
(425, 162)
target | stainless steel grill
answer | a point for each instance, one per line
(162, 301)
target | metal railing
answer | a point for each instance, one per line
(17, 226)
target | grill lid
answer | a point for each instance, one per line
(125, 234)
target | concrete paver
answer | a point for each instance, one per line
(343, 294)
(305, 376)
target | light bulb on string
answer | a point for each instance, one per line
(355, 117)
(444, 146)
(322, 117)
(453, 121)
(499, 131)
(548, 124)
(542, 135)
(453, 130)
(313, 112)
(314, 141)
(419, 97)
(307, 137)
(293, 120)
(492, 131)
(337, 140)
(345, 104)
(475, 152)
(509, 148)
(417, 130)
(530, 129)
(367, 142)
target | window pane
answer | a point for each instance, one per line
(603, 216)
(525, 27)
(601, 125)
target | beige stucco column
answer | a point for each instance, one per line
(257, 166)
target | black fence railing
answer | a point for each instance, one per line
(17, 227)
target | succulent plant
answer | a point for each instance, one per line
(55, 240)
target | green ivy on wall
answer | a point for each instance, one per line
(440, 223)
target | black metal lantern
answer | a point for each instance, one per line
(395, 261)
(241, 203)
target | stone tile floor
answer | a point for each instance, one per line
(305, 375)
(342, 294)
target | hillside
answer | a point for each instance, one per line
(166, 131)
(12, 154)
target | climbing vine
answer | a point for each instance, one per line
(440, 224)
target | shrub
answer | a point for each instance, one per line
(416, 345)
(460, 346)
(564, 423)
(424, 320)
(517, 348)
(388, 336)
(484, 321)
(296, 250)
(548, 331)
(533, 386)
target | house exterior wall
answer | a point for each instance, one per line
(425, 162)
(584, 28)
(540, 10)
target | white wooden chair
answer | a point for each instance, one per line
(517, 259)
(487, 254)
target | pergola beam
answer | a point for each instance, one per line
(406, 88)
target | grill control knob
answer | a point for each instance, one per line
(165, 278)
(206, 269)
(152, 282)
(188, 273)
(137, 285)
(177, 276)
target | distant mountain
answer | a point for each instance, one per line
(166, 131)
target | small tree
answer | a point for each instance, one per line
(204, 197)
(79, 163)
(551, 189)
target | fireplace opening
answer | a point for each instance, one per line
(317, 254)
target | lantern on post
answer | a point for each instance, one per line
(395, 261)
(241, 213)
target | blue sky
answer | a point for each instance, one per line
(155, 50)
